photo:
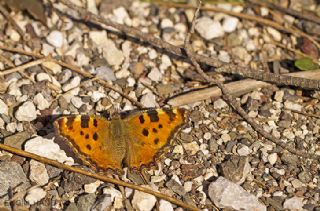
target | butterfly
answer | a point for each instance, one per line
(135, 141)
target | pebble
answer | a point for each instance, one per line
(165, 62)
(41, 102)
(208, 28)
(92, 187)
(166, 23)
(292, 106)
(225, 137)
(1, 123)
(155, 75)
(279, 96)
(121, 16)
(148, 100)
(86, 201)
(103, 203)
(152, 54)
(99, 38)
(219, 104)
(112, 54)
(226, 194)
(165, 206)
(192, 147)
(96, 96)
(224, 56)
(244, 150)
(272, 158)
(47, 148)
(142, 201)
(55, 38)
(35, 194)
(26, 112)
(76, 101)
(115, 195)
(105, 73)
(73, 83)
(12, 175)
(43, 77)
(38, 173)
(3, 108)
(229, 24)
(294, 203)
(207, 136)
(54, 67)
(276, 35)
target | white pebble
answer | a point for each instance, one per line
(165, 206)
(272, 158)
(41, 102)
(74, 82)
(76, 101)
(105, 73)
(96, 96)
(225, 137)
(191, 147)
(207, 136)
(38, 173)
(55, 38)
(112, 54)
(34, 195)
(92, 187)
(3, 108)
(54, 67)
(230, 24)
(166, 23)
(208, 28)
(276, 35)
(155, 75)
(149, 100)
(143, 201)
(26, 112)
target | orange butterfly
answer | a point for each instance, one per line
(135, 141)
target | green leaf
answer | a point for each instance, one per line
(306, 64)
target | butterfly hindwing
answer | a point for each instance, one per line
(148, 132)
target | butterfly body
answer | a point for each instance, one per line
(135, 141)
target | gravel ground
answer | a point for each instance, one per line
(217, 161)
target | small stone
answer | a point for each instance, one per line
(73, 83)
(165, 206)
(279, 96)
(264, 11)
(99, 38)
(294, 203)
(92, 187)
(76, 101)
(191, 147)
(115, 195)
(105, 73)
(149, 100)
(96, 96)
(296, 183)
(38, 173)
(219, 104)
(121, 15)
(166, 23)
(143, 201)
(55, 38)
(152, 54)
(208, 28)
(35, 194)
(41, 102)
(47, 148)
(224, 56)
(229, 24)
(112, 54)
(188, 186)
(155, 75)
(1, 123)
(276, 35)
(85, 202)
(207, 136)
(243, 150)
(272, 158)
(54, 67)
(292, 106)
(26, 112)
(225, 137)
(226, 194)
(103, 203)
(3, 108)
(165, 62)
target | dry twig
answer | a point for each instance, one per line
(235, 104)
(94, 175)
(158, 43)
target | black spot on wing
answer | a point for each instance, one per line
(85, 121)
(95, 136)
(153, 115)
(170, 113)
(160, 126)
(87, 136)
(88, 147)
(145, 132)
(81, 133)
(95, 122)
(156, 141)
(141, 119)
(154, 130)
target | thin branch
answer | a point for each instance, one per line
(94, 175)
(24, 66)
(156, 42)
(236, 105)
